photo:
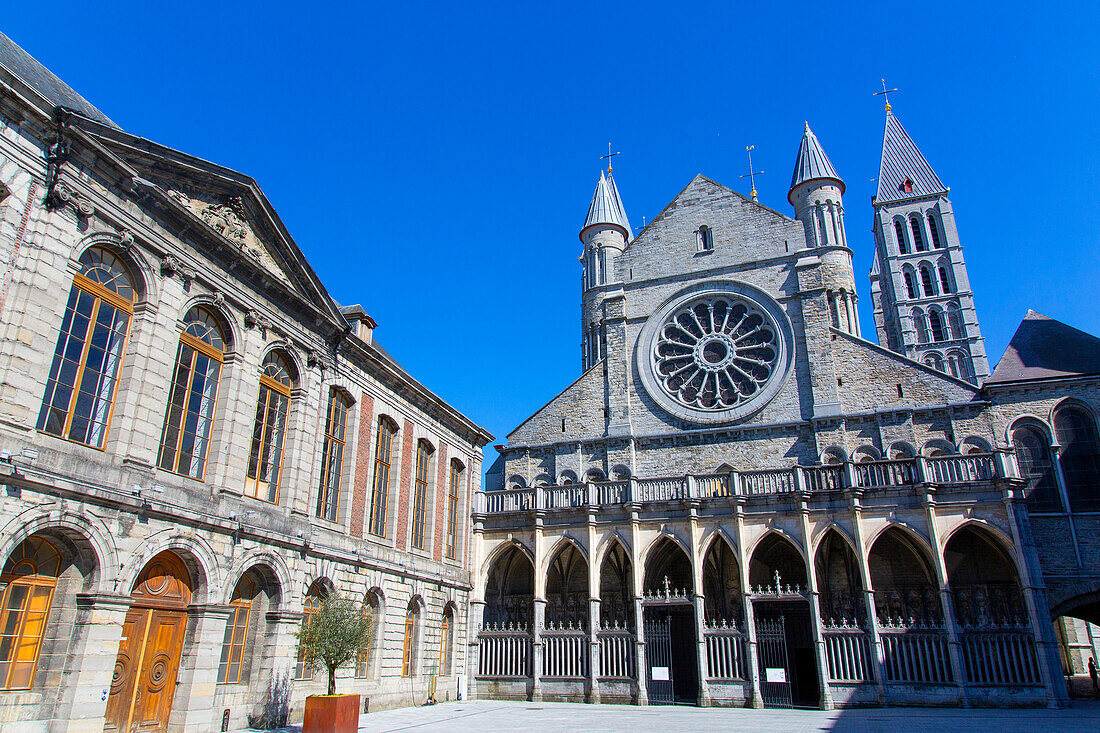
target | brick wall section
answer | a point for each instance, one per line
(443, 473)
(361, 488)
(404, 496)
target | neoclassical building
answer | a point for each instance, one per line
(742, 500)
(197, 445)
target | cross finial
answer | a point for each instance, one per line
(609, 156)
(751, 175)
(885, 93)
(777, 581)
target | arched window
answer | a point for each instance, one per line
(332, 456)
(452, 509)
(954, 318)
(236, 631)
(935, 323)
(918, 238)
(190, 414)
(1033, 457)
(314, 597)
(370, 610)
(945, 281)
(594, 475)
(408, 649)
(706, 239)
(934, 231)
(265, 459)
(30, 576)
(934, 360)
(80, 389)
(1075, 430)
(910, 286)
(833, 457)
(446, 642)
(383, 454)
(420, 492)
(899, 232)
(920, 323)
(926, 280)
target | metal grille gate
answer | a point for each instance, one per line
(658, 651)
(775, 672)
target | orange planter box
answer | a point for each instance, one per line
(331, 714)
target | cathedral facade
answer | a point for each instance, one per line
(197, 445)
(743, 501)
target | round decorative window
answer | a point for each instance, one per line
(715, 354)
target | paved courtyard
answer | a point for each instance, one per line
(519, 717)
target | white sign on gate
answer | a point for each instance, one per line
(660, 674)
(775, 674)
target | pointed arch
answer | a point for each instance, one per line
(902, 574)
(722, 591)
(984, 576)
(776, 551)
(567, 584)
(509, 586)
(836, 569)
(667, 557)
(561, 544)
(616, 585)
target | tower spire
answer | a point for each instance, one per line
(751, 175)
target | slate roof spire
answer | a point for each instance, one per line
(904, 172)
(607, 208)
(812, 163)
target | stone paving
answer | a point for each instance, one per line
(519, 717)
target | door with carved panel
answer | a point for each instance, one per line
(144, 681)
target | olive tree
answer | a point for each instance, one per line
(335, 636)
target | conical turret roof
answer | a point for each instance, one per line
(607, 208)
(903, 172)
(812, 163)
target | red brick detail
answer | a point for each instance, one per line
(360, 490)
(443, 475)
(404, 494)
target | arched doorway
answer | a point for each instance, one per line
(567, 589)
(144, 681)
(786, 651)
(669, 623)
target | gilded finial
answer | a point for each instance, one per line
(885, 93)
(609, 156)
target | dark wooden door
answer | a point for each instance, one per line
(144, 682)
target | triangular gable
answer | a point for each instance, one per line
(226, 204)
(580, 404)
(1044, 348)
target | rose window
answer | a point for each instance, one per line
(715, 353)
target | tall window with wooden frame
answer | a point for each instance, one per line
(370, 610)
(420, 493)
(383, 456)
(29, 576)
(190, 415)
(265, 459)
(332, 456)
(446, 642)
(83, 379)
(314, 596)
(452, 510)
(236, 631)
(408, 654)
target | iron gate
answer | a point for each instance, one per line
(775, 672)
(658, 652)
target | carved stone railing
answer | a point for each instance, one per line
(952, 470)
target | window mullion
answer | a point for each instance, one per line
(183, 411)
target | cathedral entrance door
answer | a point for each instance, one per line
(144, 681)
(786, 654)
(672, 676)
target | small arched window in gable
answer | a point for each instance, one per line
(899, 231)
(926, 280)
(945, 280)
(906, 186)
(918, 237)
(935, 324)
(934, 231)
(706, 239)
(910, 286)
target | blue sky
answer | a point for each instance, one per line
(435, 160)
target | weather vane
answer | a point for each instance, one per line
(885, 93)
(751, 175)
(609, 156)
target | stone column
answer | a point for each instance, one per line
(473, 655)
(815, 609)
(537, 624)
(193, 705)
(593, 695)
(756, 700)
(97, 631)
(878, 669)
(279, 655)
(753, 670)
(641, 668)
(954, 649)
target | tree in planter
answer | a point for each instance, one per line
(335, 636)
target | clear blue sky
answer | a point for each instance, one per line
(435, 160)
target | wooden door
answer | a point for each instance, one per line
(144, 681)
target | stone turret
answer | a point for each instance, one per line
(605, 234)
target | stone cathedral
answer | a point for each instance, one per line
(742, 500)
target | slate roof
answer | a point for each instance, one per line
(21, 64)
(812, 162)
(607, 208)
(1043, 348)
(901, 160)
